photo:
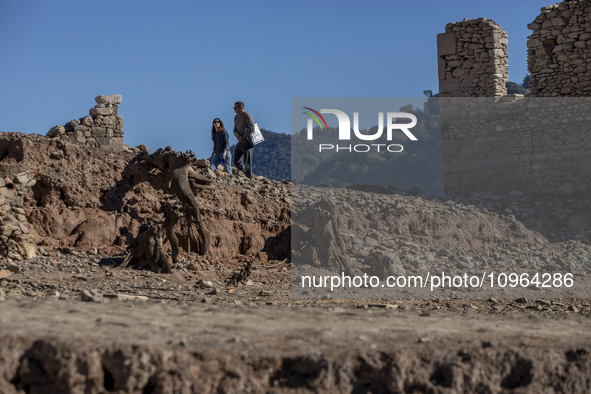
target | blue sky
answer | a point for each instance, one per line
(179, 64)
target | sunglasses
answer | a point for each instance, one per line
(216, 121)
(237, 107)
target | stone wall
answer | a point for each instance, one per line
(103, 127)
(532, 145)
(510, 142)
(14, 231)
(559, 50)
(472, 59)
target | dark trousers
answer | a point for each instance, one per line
(243, 157)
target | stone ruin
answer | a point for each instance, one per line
(472, 59)
(537, 146)
(472, 54)
(15, 240)
(103, 127)
(493, 142)
(559, 50)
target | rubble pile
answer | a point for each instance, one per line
(413, 235)
(558, 219)
(104, 126)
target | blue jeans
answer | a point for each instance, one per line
(217, 159)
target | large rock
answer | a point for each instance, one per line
(101, 111)
(202, 163)
(56, 131)
(119, 122)
(143, 148)
(446, 44)
(108, 99)
(57, 155)
(86, 121)
(22, 177)
(384, 264)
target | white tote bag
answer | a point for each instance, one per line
(256, 137)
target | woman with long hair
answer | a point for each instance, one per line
(220, 153)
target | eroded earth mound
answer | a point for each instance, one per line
(89, 198)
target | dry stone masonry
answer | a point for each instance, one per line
(472, 59)
(15, 240)
(559, 50)
(534, 145)
(538, 144)
(103, 127)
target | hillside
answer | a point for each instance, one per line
(305, 156)
(271, 157)
(420, 163)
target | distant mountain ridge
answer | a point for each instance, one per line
(272, 157)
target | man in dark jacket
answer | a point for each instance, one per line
(243, 128)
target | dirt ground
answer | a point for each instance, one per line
(142, 332)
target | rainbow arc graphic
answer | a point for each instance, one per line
(315, 118)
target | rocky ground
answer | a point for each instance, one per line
(77, 324)
(410, 235)
(71, 321)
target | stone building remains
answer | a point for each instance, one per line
(559, 50)
(16, 241)
(539, 144)
(103, 127)
(472, 59)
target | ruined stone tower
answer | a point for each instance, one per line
(472, 59)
